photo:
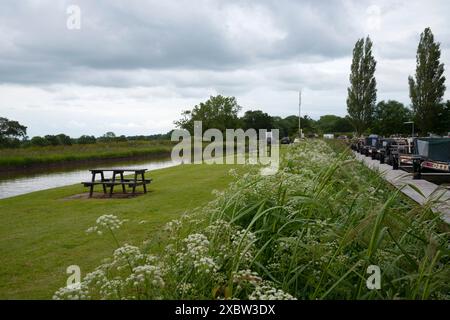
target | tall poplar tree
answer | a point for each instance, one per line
(362, 93)
(428, 87)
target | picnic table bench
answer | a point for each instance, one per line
(138, 180)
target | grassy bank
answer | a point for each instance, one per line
(317, 229)
(24, 157)
(42, 233)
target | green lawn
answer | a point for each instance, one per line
(42, 233)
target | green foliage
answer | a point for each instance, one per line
(333, 124)
(444, 115)
(52, 140)
(111, 137)
(289, 126)
(427, 88)
(41, 152)
(11, 129)
(222, 113)
(390, 118)
(64, 139)
(39, 141)
(10, 132)
(217, 112)
(109, 134)
(362, 93)
(85, 139)
(256, 120)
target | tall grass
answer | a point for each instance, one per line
(308, 232)
(102, 150)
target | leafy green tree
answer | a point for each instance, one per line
(308, 125)
(343, 125)
(278, 123)
(288, 126)
(11, 129)
(52, 140)
(121, 138)
(10, 132)
(390, 118)
(256, 120)
(217, 112)
(39, 141)
(109, 134)
(85, 139)
(443, 125)
(362, 93)
(108, 137)
(64, 139)
(333, 124)
(291, 124)
(428, 87)
(326, 123)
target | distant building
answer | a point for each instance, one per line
(328, 136)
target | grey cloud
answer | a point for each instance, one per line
(165, 56)
(117, 35)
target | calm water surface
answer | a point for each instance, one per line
(13, 184)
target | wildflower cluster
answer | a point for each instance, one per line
(195, 255)
(108, 222)
(267, 292)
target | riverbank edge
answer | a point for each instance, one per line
(40, 164)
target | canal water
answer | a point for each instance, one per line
(25, 181)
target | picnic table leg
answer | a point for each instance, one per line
(112, 185)
(123, 185)
(135, 180)
(103, 179)
(91, 189)
(143, 182)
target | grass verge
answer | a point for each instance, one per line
(317, 229)
(42, 233)
(25, 157)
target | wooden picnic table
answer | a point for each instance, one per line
(139, 179)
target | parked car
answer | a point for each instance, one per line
(285, 140)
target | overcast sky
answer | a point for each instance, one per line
(133, 66)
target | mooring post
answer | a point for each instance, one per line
(417, 168)
(395, 161)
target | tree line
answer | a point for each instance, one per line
(14, 135)
(429, 113)
(222, 113)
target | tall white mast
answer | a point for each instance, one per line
(300, 113)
